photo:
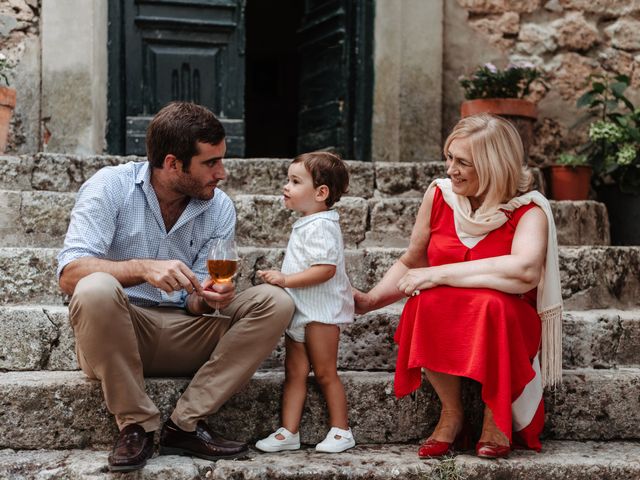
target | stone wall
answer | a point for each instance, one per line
(20, 42)
(568, 39)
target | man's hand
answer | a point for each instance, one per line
(170, 276)
(217, 295)
(274, 277)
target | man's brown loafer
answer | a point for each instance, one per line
(132, 449)
(203, 443)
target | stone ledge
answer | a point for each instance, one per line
(40, 338)
(557, 461)
(263, 176)
(592, 277)
(40, 219)
(66, 410)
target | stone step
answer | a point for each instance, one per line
(592, 277)
(66, 410)
(261, 176)
(559, 460)
(40, 338)
(41, 218)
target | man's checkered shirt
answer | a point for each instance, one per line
(117, 217)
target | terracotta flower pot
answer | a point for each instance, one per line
(522, 113)
(570, 183)
(7, 104)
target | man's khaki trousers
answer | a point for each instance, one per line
(119, 343)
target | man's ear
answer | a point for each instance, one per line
(322, 193)
(171, 162)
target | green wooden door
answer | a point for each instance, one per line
(336, 77)
(165, 50)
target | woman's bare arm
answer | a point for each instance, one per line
(517, 272)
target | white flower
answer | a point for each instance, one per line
(491, 67)
(2, 57)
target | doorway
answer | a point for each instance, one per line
(272, 77)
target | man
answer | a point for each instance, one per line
(134, 261)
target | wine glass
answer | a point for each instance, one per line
(222, 262)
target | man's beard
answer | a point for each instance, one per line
(189, 186)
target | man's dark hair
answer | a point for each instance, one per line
(175, 130)
(326, 169)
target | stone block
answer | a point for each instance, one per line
(624, 34)
(41, 338)
(15, 172)
(267, 176)
(500, 6)
(263, 220)
(66, 410)
(609, 8)
(592, 277)
(575, 32)
(560, 460)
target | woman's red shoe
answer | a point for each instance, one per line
(492, 450)
(432, 448)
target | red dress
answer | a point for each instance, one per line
(480, 333)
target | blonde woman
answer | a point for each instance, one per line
(482, 275)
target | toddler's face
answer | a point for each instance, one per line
(299, 193)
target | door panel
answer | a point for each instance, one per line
(336, 80)
(190, 50)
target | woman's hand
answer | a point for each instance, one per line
(417, 279)
(362, 301)
(274, 277)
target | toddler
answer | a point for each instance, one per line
(313, 273)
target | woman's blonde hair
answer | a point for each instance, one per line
(498, 157)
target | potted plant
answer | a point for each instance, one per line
(7, 101)
(614, 151)
(501, 92)
(570, 177)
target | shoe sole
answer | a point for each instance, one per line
(126, 468)
(189, 453)
(336, 451)
(278, 449)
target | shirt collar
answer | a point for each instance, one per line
(327, 214)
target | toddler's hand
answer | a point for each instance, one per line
(274, 277)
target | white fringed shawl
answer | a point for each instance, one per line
(473, 228)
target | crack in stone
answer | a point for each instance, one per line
(52, 344)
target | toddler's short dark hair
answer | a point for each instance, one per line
(326, 169)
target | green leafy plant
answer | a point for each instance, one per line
(488, 81)
(614, 134)
(572, 160)
(5, 68)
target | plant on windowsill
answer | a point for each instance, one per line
(502, 92)
(614, 152)
(570, 177)
(7, 101)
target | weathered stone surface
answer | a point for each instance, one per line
(263, 220)
(568, 74)
(495, 27)
(624, 34)
(559, 460)
(28, 276)
(267, 176)
(601, 338)
(606, 7)
(40, 338)
(500, 6)
(26, 340)
(66, 410)
(40, 219)
(592, 277)
(15, 172)
(407, 179)
(575, 32)
(536, 39)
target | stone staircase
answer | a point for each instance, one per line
(53, 422)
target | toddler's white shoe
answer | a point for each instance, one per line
(272, 444)
(336, 441)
